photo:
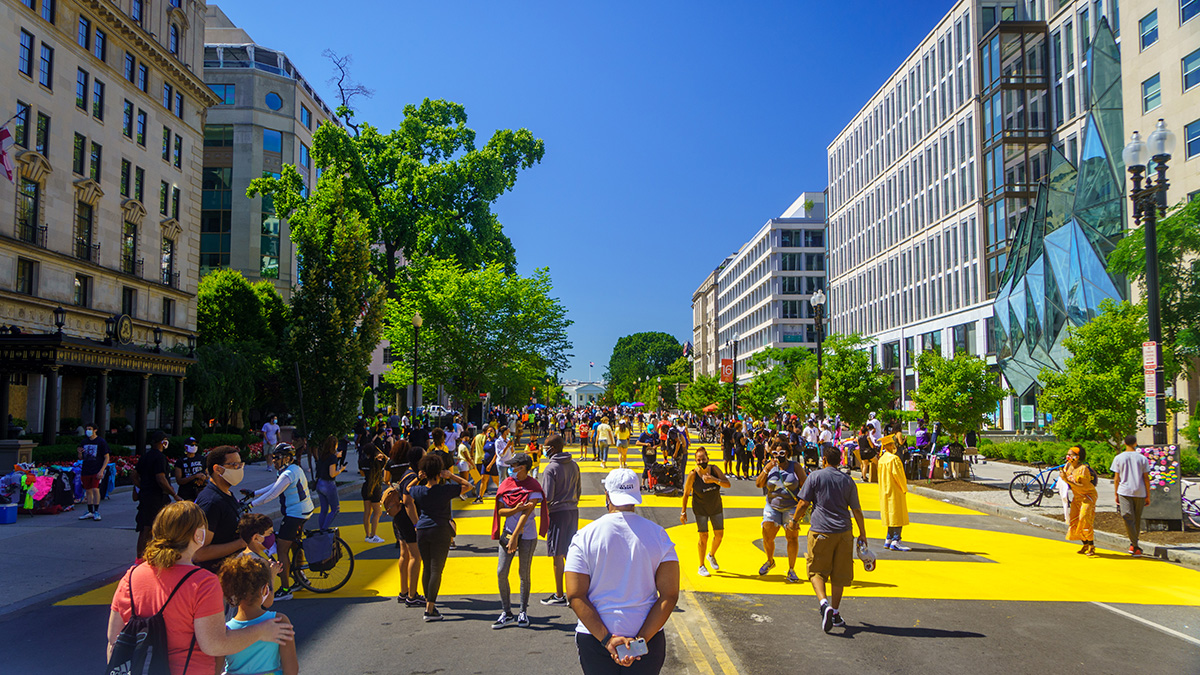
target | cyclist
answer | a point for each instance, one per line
(291, 488)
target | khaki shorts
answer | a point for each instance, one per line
(831, 556)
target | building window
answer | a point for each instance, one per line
(135, 10)
(790, 262)
(141, 128)
(1148, 29)
(167, 262)
(126, 178)
(167, 95)
(791, 286)
(274, 102)
(129, 237)
(143, 78)
(1151, 94)
(305, 161)
(1191, 70)
(81, 89)
(129, 67)
(96, 156)
(84, 34)
(83, 231)
(166, 144)
(814, 262)
(43, 135)
(164, 195)
(139, 184)
(83, 290)
(127, 119)
(21, 128)
(175, 203)
(215, 217)
(306, 117)
(29, 201)
(179, 105)
(25, 59)
(79, 159)
(129, 301)
(224, 91)
(48, 10)
(168, 312)
(177, 153)
(173, 40)
(1191, 139)
(98, 99)
(100, 45)
(272, 141)
(218, 135)
(1188, 9)
(26, 276)
(46, 74)
(789, 309)
(268, 266)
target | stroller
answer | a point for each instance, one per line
(666, 479)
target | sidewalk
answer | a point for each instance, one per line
(49, 557)
(997, 502)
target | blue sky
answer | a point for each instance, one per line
(673, 130)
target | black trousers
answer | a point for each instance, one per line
(434, 546)
(595, 659)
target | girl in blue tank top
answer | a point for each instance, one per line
(246, 583)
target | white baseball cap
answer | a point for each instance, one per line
(623, 487)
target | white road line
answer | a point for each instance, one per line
(1155, 626)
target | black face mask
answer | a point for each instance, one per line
(702, 465)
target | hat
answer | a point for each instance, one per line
(623, 487)
(520, 459)
(191, 439)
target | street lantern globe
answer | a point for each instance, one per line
(1161, 141)
(60, 318)
(735, 337)
(417, 319)
(818, 299)
(1134, 154)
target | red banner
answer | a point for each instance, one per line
(727, 370)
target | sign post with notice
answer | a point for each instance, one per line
(1153, 382)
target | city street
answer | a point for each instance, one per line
(976, 591)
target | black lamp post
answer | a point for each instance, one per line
(191, 342)
(158, 338)
(818, 304)
(60, 318)
(1149, 197)
(417, 320)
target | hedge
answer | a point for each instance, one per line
(1099, 454)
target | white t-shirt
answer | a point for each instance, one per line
(876, 430)
(1129, 468)
(809, 434)
(270, 433)
(826, 436)
(502, 449)
(452, 435)
(621, 552)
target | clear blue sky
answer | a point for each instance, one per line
(673, 130)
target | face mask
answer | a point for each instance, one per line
(269, 543)
(189, 449)
(91, 433)
(233, 476)
(702, 465)
(202, 537)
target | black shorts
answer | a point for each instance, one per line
(404, 529)
(289, 529)
(372, 494)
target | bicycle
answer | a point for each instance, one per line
(326, 576)
(1191, 507)
(1028, 489)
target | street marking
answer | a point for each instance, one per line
(1158, 627)
(689, 644)
(706, 629)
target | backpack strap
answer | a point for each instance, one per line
(129, 587)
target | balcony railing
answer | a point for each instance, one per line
(131, 266)
(85, 250)
(30, 233)
(170, 278)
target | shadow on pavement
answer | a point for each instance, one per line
(906, 631)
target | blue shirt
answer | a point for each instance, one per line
(260, 657)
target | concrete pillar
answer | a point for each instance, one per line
(50, 416)
(179, 405)
(101, 416)
(139, 426)
(4, 405)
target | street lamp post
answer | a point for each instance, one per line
(733, 345)
(1149, 199)
(416, 321)
(818, 305)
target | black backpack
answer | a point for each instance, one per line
(141, 648)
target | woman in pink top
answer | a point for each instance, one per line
(195, 617)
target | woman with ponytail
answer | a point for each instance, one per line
(195, 616)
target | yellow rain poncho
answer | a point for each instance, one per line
(893, 490)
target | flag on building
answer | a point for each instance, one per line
(687, 348)
(6, 142)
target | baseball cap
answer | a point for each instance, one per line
(520, 459)
(191, 439)
(623, 487)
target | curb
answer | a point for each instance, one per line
(1108, 539)
(103, 578)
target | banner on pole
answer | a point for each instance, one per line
(727, 370)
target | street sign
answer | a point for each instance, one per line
(484, 394)
(1026, 414)
(1149, 355)
(1151, 383)
(1151, 411)
(727, 370)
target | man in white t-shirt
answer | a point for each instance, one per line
(876, 428)
(622, 581)
(1131, 481)
(504, 452)
(270, 432)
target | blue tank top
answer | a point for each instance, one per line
(295, 500)
(260, 658)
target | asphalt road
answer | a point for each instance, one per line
(978, 594)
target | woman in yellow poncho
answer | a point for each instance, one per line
(1082, 480)
(893, 492)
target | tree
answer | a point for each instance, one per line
(641, 355)
(1098, 395)
(482, 328)
(680, 369)
(221, 383)
(1178, 277)
(796, 368)
(958, 392)
(228, 309)
(851, 385)
(337, 310)
(703, 392)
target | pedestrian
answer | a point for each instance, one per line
(429, 506)
(867, 453)
(270, 435)
(371, 461)
(328, 469)
(394, 421)
(401, 474)
(830, 556)
(743, 447)
(703, 485)
(605, 438)
(1082, 479)
(727, 453)
(518, 497)
(1131, 482)
(504, 452)
(893, 494)
(151, 488)
(246, 585)
(490, 471)
(189, 472)
(291, 489)
(225, 470)
(466, 460)
(93, 451)
(582, 430)
(189, 598)
(622, 581)
(781, 478)
(562, 487)
(648, 441)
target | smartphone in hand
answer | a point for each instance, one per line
(636, 648)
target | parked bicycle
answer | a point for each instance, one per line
(1028, 488)
(329, 562)
(1191, 507)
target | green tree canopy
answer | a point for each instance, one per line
(703, 392)
(228, 309)
(850, 385)
(642, 355)
(791, 373)
(958, 392)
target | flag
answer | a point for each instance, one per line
(6, 142)
(591, 364)
(687, 348)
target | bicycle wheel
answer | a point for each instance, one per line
(1025, 489)
(324, 581)
(1191, 512)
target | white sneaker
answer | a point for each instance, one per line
(375, 539)
(86, 516)
(703, 571)
(712, 562)
(96, 516)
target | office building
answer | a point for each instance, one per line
(265, 117)
(704, 328)
(763, 292)
(109, 105)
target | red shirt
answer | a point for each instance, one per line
(199, 597)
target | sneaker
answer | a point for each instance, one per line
(838, 622)
(556, 601)
(766, 567)
(712, 562)
(432, 616)
(375, 539)
(418, 601)
(897, 546)
(1137, 552)
(827, 614)
(504, 621)
(703, 571)
(96, 516)
(284, 593)
(87, 516)
(792, 578)
(523, 620)
(478, 500)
